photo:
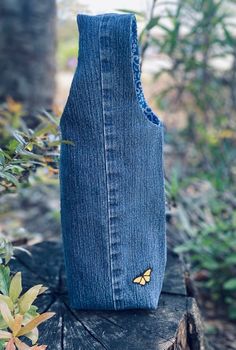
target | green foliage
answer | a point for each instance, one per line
(213, 249)
(4, 279)
(27, 142)
(197, 39)
(5, 250)
(22, 149)
(173, 185)
(18, 316)
(206, 217)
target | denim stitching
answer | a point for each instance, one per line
(106, 169)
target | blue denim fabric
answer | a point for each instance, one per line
(111, 178)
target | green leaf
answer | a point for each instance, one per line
(30, 155)
(15, 286)
(210, 264)
(19, 138)
(6, 155)
(15, 169)
(231, 259)
(232, 312)
(230, 284)
(28, 298)
(4, 279)
(10, 178)
(29, 147)
(184, 248)
(137, 13)
(2, 158)
(12, 145)
(19, 148)
(8, 301)
(2, 344)
(32, 312)
(68, 142)
(229, 37)
(152, 23)
(6, 250)
(3, 324)
(44, 130)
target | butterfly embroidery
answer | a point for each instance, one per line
(144, 278)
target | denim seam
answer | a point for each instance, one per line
(106, 169)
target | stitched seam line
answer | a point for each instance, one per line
(106, 171)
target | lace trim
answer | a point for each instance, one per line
(137, 76)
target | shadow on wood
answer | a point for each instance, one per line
(174, 325)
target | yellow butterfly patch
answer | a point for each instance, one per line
(144, 278)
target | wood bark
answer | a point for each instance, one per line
(176, 324)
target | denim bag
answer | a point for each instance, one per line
(111, 174)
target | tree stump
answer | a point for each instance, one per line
(174, 325)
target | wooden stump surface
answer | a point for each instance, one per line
(174, 325)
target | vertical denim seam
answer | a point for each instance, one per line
(106, 170)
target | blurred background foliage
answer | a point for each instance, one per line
(23, 149)
(188, 52)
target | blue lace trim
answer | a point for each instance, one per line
(137, 76)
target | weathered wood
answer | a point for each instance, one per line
(174, 325)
